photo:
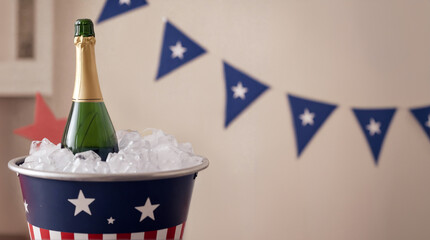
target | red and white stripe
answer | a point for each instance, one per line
(172, 233)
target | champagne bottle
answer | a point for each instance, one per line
(89, 126)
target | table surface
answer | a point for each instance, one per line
(14, 237)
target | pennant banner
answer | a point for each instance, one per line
(45, 124)
(114, 8)
(422, 115)
(177, 49)
(375, 123)
(308, 116)
(241, 91)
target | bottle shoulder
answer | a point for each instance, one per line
(89, 125)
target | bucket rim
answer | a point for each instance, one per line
(100, 177)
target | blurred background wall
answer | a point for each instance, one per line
(354, 53)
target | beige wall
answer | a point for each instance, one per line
(354, 53)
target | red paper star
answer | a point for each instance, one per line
(45, 124)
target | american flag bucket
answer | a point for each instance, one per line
(74, 206)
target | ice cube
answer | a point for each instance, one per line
(165, 156)
(130, 141)
(186, 147)
(31, 158)
(102, 167)
(147, 166)
(158, 137)
(39, 166)
(44, 147)
(123, 163)
(89, 156)
(39, 152)
(190, 160)
(84, 162)
(166, 139)
(60, 158)
(157, 151)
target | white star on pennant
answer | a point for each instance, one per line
(239, 91)
(428, 121)
(81, 203)
(128, 2)
(26, 206)
(307, 117)
(178, 50)
(110, 220)
(374, 127)
(147, 210)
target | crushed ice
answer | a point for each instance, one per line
(137, 154)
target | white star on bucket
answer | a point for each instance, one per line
(147, 210)
(110, 220)
(81, 203)
(26, 206)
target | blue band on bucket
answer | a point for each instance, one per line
(86, 207)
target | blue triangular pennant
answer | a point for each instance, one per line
(423, 117)
(241, 91)
(375, 123)
(113, 8)
(177, 50)
(308, 116)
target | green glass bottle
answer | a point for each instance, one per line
(89, 126)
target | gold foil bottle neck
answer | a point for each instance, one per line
(81, 40)
(87, 87)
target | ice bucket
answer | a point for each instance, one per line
(141, 206)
